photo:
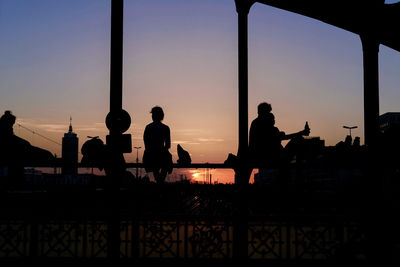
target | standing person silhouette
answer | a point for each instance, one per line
(157, 141)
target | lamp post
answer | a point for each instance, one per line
(350, 128)
(137, 160)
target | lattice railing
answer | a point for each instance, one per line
(163, 239)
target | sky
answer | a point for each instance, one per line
(182, 56)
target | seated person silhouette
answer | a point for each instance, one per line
(157, 141)
(265, 139)
(95, 153)
(16, 153)
(184, 156)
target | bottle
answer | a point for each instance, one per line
(307, 129)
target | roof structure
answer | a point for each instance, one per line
(372, 17)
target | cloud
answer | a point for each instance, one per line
(55, 128)
(34, 126)
(90, 129)
(185, 142)
(58, 127)
(180, 142)
(211, 140)
(188, 131)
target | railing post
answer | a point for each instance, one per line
(34, 239)
(135, 238)
(185, 239)
(84, 239)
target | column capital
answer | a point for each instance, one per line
(243, 6)
(369, 42)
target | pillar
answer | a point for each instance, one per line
(115, 159)
(240, 220)
(371, 90)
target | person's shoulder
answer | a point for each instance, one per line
(19, 141)
(154, 124)
(166, 127)
(256, 121)
(150, 126)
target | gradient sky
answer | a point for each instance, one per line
(182, 56)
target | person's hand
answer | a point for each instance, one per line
(305, 132)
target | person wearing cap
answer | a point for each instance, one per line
(157, 141)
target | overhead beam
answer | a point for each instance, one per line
(349, 15)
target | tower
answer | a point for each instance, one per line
(70, 152)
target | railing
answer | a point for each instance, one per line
(181, 222)
(178, 239)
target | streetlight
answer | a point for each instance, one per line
(350, 128)
(137, 160)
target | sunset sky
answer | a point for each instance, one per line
(182, 56)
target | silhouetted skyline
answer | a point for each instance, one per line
(186, 52)
(309, 202)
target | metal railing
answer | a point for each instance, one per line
(181, 222)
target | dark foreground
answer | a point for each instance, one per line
(321, 222)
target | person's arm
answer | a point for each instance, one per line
(292, 135)
(168, 139)
(306, 132)
(145, 137)
(252, 135)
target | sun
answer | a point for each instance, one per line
(195, 175)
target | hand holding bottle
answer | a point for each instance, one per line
(306, 130)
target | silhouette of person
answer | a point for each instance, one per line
(184, 156)
(265, 139)
(157, 141)
(96, 153)
(6, 124)
(16, 153)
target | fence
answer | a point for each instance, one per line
(181, 222)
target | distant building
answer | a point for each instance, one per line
(313, 146)
(389, 121)
(70, 152)
(266, 176)
(390, 137)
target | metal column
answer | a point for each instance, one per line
(371, 90)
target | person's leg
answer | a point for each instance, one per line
(156, 173)
(284, 170)
(162, 175)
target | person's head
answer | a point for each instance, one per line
(157, 114)
(264, 108)
(7, 120)
(271, 119)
